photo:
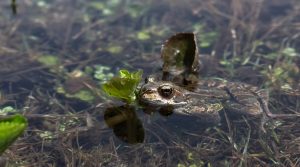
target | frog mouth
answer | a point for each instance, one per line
(154, 100)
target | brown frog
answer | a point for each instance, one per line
(206, 99)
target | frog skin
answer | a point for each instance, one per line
(206, 99)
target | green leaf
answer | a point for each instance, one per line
(123, 86)
(207, 38)
(48, 60)
(84, 95)
(278, 71)
(6, 110)
(114, 49)
(97, 5)
(143, 35)
(102, 73)
(290, 52)
(204, 44)
(125, 74)
(10, 129)
(180, 165)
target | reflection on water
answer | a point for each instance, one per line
(125, 124)
(14, 6)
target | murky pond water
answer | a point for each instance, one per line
(55, 55)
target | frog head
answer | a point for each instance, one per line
(162, 93)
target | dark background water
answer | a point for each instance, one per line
(49, 48)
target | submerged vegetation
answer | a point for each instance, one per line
(55, 55)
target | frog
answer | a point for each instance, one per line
(206, 99)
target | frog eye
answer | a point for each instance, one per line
(166, 91)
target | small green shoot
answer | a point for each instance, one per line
(10, 129)
(123, 86)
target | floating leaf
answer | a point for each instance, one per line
(6, 110)
(207, 38)
(97, 5)
(10, 129)
(123, 87)
(180, 54)
(290, 52)
(48, 60)
(107, 8)
(143, 35)
(84, 95)
(114, 49)
(135, 10)
(46, 135)
(102, 73)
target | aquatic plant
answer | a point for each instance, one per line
(123, 86)
(10, 129)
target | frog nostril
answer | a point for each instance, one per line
(146, 80)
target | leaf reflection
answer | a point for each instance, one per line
(125, 124)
